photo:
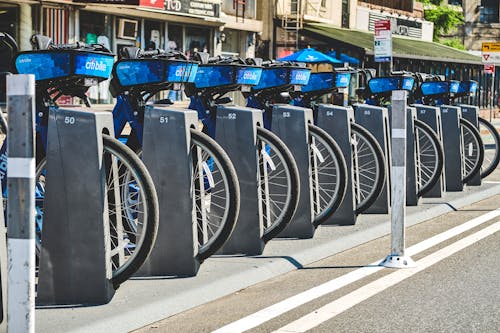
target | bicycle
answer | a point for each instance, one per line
(277, 174)
(69, 70)
(137, 78)
(430, 154)
(327, 165)
(367, 156)
(440, 93)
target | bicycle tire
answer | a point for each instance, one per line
(470, 132)
(336, 195)
(149, 226)
(212, 150)
(291, 186)
(439, 153)
(374, 147)
(493, 162)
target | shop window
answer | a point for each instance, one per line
(175, 39)
(231, 44)
(153, 35)
(8, 24)
(56, 24)
(93, 27)
(488, 11)
(197, 40)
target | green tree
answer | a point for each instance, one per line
(445, 18)
(453, 42)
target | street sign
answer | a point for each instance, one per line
(383, 41)
(489, 68)
(490, 53)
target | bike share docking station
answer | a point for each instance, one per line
(291, 124)
(75, 265)
(237, 134)
(167, 156)
(336, 121)
(375, 119)
(431, 115)
(471, 113)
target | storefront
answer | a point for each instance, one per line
(181, 25)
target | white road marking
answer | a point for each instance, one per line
(275, 310)
(346, 302)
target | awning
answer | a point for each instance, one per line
(401, 47)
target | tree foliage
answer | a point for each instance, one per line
(444, 17)
(453, 42)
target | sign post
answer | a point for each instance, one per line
(397, 258)
(490, 54)
(383, 42)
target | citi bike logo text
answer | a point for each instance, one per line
(95, 65)
(179, 72)
(250, 75)
(3, 166)
(300, 76)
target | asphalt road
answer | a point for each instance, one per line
(460, 293)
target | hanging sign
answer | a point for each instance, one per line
(383, 41)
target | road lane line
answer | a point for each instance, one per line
(348, 301)
(275, 310)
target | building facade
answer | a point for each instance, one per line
(224, 27)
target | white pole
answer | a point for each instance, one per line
(21, 204)
(397, 257)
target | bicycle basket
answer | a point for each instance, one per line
(434, 88)
(379, 85)
(56, 64)
(139, 72)
(327, 81)
(218, 75)
(283, 76)
(467, 88)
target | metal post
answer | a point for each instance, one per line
(21, 203)
(492, 93)
(397, 258)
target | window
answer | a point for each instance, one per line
(345, 13)
(175, 38)
(455, 2)
(230, 7)
(488, 11)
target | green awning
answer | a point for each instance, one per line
(401, 47)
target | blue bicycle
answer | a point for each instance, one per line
(328, 167)
(367, 158)
(69, 70)
(137, 78)
(277, 176)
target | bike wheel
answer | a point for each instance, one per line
(473, 150)
(278, 182)
(369, 167)
(430, 157)
(328, 172)
(216, 193)
(133, 222)
(491, 142)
